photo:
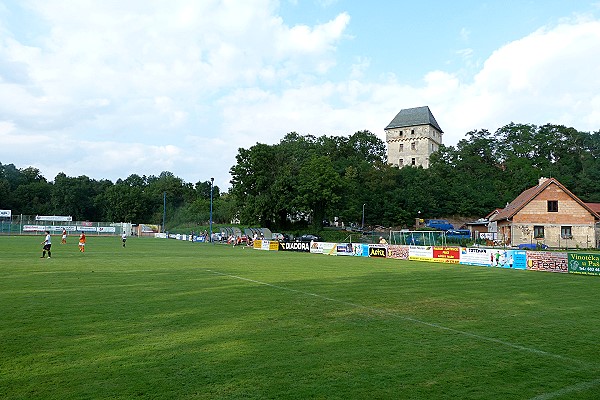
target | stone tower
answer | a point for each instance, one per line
(412, 136)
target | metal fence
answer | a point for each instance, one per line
(35, 224)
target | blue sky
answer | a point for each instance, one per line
(107, 89)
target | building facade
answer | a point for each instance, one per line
(548, 214)
(412, 136)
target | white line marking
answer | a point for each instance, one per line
(570, 389)
(414, 320)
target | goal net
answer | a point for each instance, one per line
(418, 238)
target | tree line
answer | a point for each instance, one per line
(137, 199)
(306, 180)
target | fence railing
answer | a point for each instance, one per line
(34, 224)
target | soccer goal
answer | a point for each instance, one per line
(418, 238)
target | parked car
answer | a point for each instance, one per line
(310, 238)
(533, 246)
(458, 234)
(439, 224)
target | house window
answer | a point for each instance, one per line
(552, 206)
(401, 148)
(538, 232)
(413, 146)
(401, 162)
(414, 161)
(565, 232)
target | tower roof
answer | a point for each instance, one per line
(413, 117)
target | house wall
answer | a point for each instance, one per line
(583, 236)
(426, 138)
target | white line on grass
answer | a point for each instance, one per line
(417, 321)
(570, 389)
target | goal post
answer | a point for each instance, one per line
(418, 238)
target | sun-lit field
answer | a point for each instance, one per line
(178, 320)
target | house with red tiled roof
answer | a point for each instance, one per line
(549, 214)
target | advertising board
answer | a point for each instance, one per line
(295, 246)
(330, 249)
(378, 250)
(450, 255)
(420, 253)
(360, 249)
(547, 261)
(476, 256)
(398, 252)
(316, 247)
(586, 263)
(53, 218)
(344, 249)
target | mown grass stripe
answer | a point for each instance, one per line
(414, 320)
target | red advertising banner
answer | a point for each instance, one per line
(449, 255)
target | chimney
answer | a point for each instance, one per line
(542, 180)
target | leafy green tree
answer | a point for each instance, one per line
(75, 197)
(253, 176)
(318, 184)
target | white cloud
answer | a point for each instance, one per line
(145, 86)
(550, 76)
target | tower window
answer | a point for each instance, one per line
(413, 146)
(401, 147)
(401, 162)
(414, 161)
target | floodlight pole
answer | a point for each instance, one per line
(164, 210)
(362, 227)
(212, 180)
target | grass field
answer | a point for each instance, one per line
(178, 320)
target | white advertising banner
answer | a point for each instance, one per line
(53, 218)
(316, 247)
(5, 213)
(329, 248)
(474, 256)
(420, 253)
(69, 228)
(34, 228)
(107, 229)
(87, 229)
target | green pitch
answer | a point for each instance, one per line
(178, 320)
